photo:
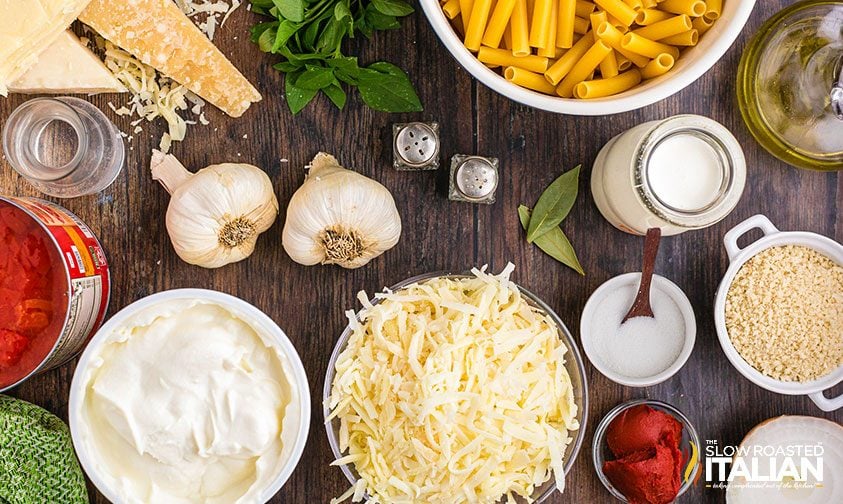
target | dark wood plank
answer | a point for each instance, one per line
(533, 146)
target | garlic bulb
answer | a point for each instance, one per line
(339, 217)
(216, 214)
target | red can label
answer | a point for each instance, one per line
(88, 275)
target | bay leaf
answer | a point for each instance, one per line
(553, 243)
(554, 204)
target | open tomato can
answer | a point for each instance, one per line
(54, 287)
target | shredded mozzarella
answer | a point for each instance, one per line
(453, 391)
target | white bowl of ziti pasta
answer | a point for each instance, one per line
(587, 57)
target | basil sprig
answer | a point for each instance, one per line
(307, 34)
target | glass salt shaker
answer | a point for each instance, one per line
(65, 147)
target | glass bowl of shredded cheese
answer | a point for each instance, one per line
(449, 389)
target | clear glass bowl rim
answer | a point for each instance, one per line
(546, 490)
(600, 436)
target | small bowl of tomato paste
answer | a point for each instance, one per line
(54, 287)
(646, 452)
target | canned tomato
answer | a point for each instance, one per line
(54, 287)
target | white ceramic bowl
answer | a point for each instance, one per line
(690, 67)
(737, 257)
(632, 280)
(259, 321)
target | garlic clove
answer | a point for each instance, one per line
(339, 217)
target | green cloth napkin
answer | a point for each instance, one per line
(37, 462)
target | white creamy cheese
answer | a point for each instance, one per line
(185, 403)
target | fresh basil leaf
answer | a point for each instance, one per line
(297, 98)
(290, 9)
(393, 7)
(553, 243)
(331, 37)
(389, 69)
(316, 78)
(341, 11)
(347, 64)
(380, 21)
(554, 204)
(258, 30)
(336, 95)
(266, 40)
(310, 35)
(285, 30)
(288, 66)
(387, 88)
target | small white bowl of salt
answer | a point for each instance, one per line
(641, 351)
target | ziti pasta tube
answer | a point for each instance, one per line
(566, 62)
(549, 49)
(667, 28)
(565, 23)
(600, 88)
(498, 22)
(504, 58)
(540, 24)
(451, 8)
(619, 10)
(477, 24)
(701, 24)
(650, 48)
(583, 68)
(528, 79)
(647, 17)
(658, 66)
(609, 65)
(465, 12)
(713, 9)
(688, 38)
(614, 38)
(583, 9)
(520, 29)
(693, 8)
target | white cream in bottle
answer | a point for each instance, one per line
(685, 172)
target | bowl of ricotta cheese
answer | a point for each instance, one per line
(189, 396)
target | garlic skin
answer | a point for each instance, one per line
(339, 217)
(216, 214)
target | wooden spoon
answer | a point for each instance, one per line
(641, 306)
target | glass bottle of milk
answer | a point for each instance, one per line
(685, 172)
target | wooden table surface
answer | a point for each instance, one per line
(534, 147)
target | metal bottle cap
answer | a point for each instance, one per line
(415, 146)
(473, 178)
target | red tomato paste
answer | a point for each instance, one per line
(648, 462)
(33, 294)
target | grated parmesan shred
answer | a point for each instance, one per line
(452, 391)
(154, 95)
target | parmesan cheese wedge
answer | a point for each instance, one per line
(67, 66)
(27, 28)
(160, 35)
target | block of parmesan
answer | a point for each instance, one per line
(67, 66)
(27, 27)
(160, 35)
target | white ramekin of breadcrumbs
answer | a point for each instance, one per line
(779, 310)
